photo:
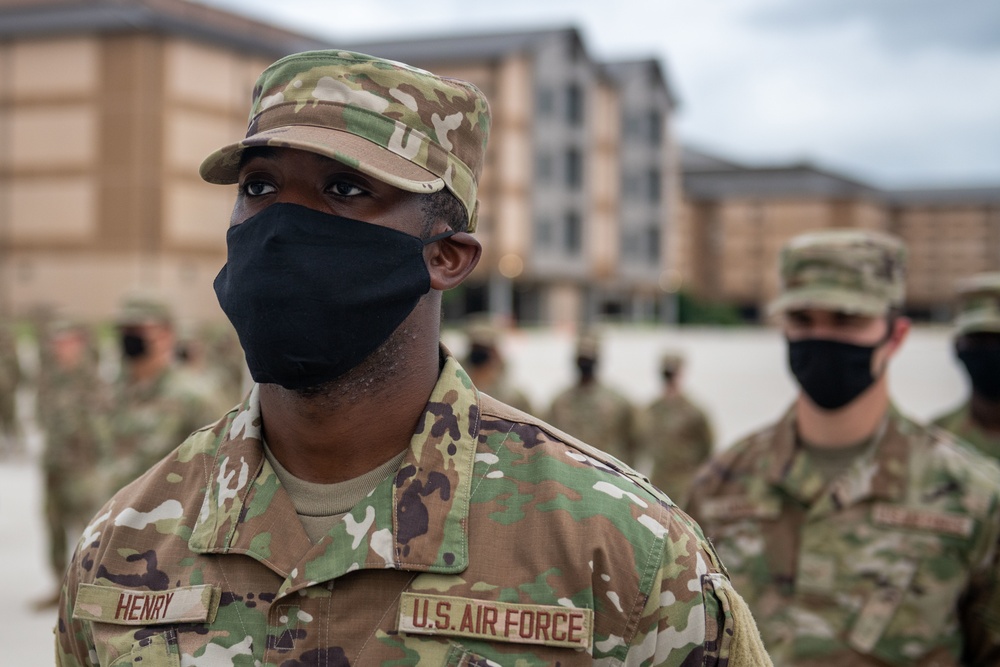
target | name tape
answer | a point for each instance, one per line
(921, 519)
(122, 606)
(496, 621)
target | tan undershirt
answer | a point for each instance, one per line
(832, 461)
(321, 506)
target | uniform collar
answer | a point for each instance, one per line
(879, 474)
(417, 520)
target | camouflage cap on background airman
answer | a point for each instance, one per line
(979, 304)
(143, 309)
(671, 361)
(588, 345)
(402, 125)
(846, 270)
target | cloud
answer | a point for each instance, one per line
(905, 26)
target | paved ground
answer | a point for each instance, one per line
(738, 375)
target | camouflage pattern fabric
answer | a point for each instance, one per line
(10, 379)
(402, 125)
(505, 393)
(499, 541)
(845, 270)
(959, 423)
(598, 415)
(147, 421)
(69, 403)
(673, 439)
(979, 304)
(892, 563)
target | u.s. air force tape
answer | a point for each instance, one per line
(123, 606)
(496, 621)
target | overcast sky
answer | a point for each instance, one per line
(897, 92)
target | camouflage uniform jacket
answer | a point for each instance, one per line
(892, 563)
(959, 422)
(674, 438)
(597, 415)
(147, 421)
(499, 541)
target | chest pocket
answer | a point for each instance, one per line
(136, 627)
(159, 650)
(886, 579)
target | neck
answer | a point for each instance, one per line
(329, 435)
(141, 371)
(985, 412)
(846, 426)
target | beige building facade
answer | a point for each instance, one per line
(106, 110)
(735, 218)
(108, 106)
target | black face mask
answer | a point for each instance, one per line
(983, 366)
(831, 373)
(479, 355)
(311, 295)
(587, 367)
(134, 346)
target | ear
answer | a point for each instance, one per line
(901, 329)
(451, 260)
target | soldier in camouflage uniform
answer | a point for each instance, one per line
(591, 410)
(70, 396)
(674, 434)
(366, 505)
(10, 379)
(859, 537)
(977, 345)
(154, 406)
(487, 368)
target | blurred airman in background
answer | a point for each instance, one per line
(977, 346)
(593, 411)
(673, 434)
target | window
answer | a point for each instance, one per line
(544, 102)
(543, 233)
(653, 245)
(574, 233)
(574, 104)
(653, 185)
(543, 168)
(655, 128)
(574, 168)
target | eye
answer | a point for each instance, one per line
(257, 188)
(346, 189)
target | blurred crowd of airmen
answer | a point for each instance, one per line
(857, 535)
(99, 432)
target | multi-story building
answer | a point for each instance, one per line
(736, 218)
(108, 106)
(106, 110)
(581, 177)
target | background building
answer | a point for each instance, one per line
(736, 217)
(107, 108)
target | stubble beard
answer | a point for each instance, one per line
(379, 370)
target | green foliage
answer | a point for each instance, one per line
(692, 310)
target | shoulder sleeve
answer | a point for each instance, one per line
(74, 642)
(693, 615)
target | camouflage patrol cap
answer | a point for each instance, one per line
(979, 304)
(846, 270)
(588, 346)
(143, 309)
(482, 334)
(671, 362)
(401, 125)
